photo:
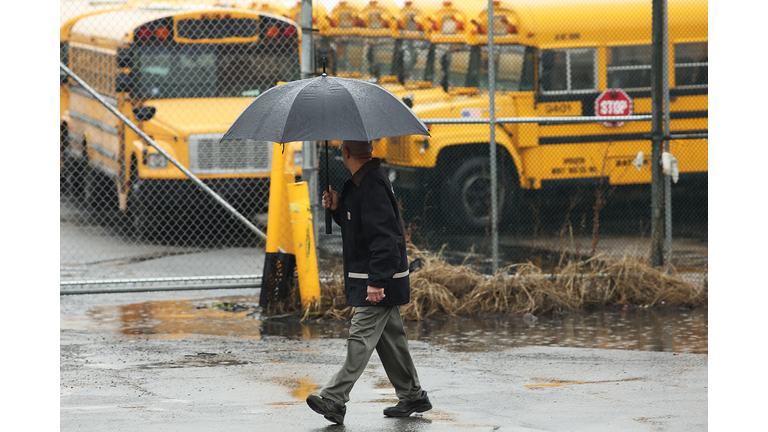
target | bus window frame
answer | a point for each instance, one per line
(595, 71)
(690, 65)
(525, 55)
(619, 68)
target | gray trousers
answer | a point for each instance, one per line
(380, 328)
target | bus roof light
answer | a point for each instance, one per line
(289, 31)
(511, 29)
(144, 33)
(162, 32)
(272, 31)
(447, 3)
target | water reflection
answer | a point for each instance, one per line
(670, 330)
(167, 319)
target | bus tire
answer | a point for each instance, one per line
(98, 189)
(141, 219)
(466, 195)
(73, 167)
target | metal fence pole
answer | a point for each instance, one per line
(492, 119)
(657, 135)
(309, 165)
(667, 178)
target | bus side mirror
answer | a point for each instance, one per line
(124, 59)
(408, 100)
(63, 77)
(144, 113)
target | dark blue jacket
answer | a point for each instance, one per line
(373, 238)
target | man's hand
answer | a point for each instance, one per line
(331, 200)
(375, 294)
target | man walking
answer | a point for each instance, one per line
(376, 283)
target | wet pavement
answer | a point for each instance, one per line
(202, 361)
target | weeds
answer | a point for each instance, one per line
(441, 289)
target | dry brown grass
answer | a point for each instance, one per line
(441, 289)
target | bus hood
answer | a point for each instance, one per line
(475, 106)
(183, 117)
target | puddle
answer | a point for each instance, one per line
(668, 330)
(167, 319)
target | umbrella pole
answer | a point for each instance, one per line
(328, 218)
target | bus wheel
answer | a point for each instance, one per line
(97, 189)
(466, 198)
(139, 211)
(73, 167)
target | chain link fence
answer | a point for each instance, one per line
(566, 189)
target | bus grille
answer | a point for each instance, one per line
(209, 156)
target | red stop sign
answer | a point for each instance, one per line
(613, 102)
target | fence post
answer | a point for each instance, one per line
(667, 178)
(492, 118)
(657, 136)
(309, 153)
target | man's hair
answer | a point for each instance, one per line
(359, 149)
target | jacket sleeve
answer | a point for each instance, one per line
(383, 233)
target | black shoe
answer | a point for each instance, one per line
(404, 409)
(329, 409)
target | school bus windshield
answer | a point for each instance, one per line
(226, 70)
(514, 66)
(418, 60)
(459, 64)
(348, 55)
(380, 53)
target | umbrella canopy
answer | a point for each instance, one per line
(325, 108)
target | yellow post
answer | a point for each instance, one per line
(278, 228)
(304, 243)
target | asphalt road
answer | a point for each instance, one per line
(180, 373)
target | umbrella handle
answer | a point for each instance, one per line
(328, 217)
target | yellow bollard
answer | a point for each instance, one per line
(278, 227)
(304, 243)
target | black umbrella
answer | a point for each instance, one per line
(325, 108)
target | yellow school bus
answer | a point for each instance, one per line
(553, 59)
(183, 74)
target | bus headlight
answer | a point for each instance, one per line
(298, 158)
(157, 161)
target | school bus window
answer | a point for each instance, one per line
(629, 67)
(375, 22)
(380, 55)
(248, 71)
(349, 55)
(568, 70)
(182, 71)
(691, 64)
(449, 25)
(416, 53)
(500, 26)
(346, 20)
(410, 22)
(462, 66)
(510, 63)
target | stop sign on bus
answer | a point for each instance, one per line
(613, 102)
